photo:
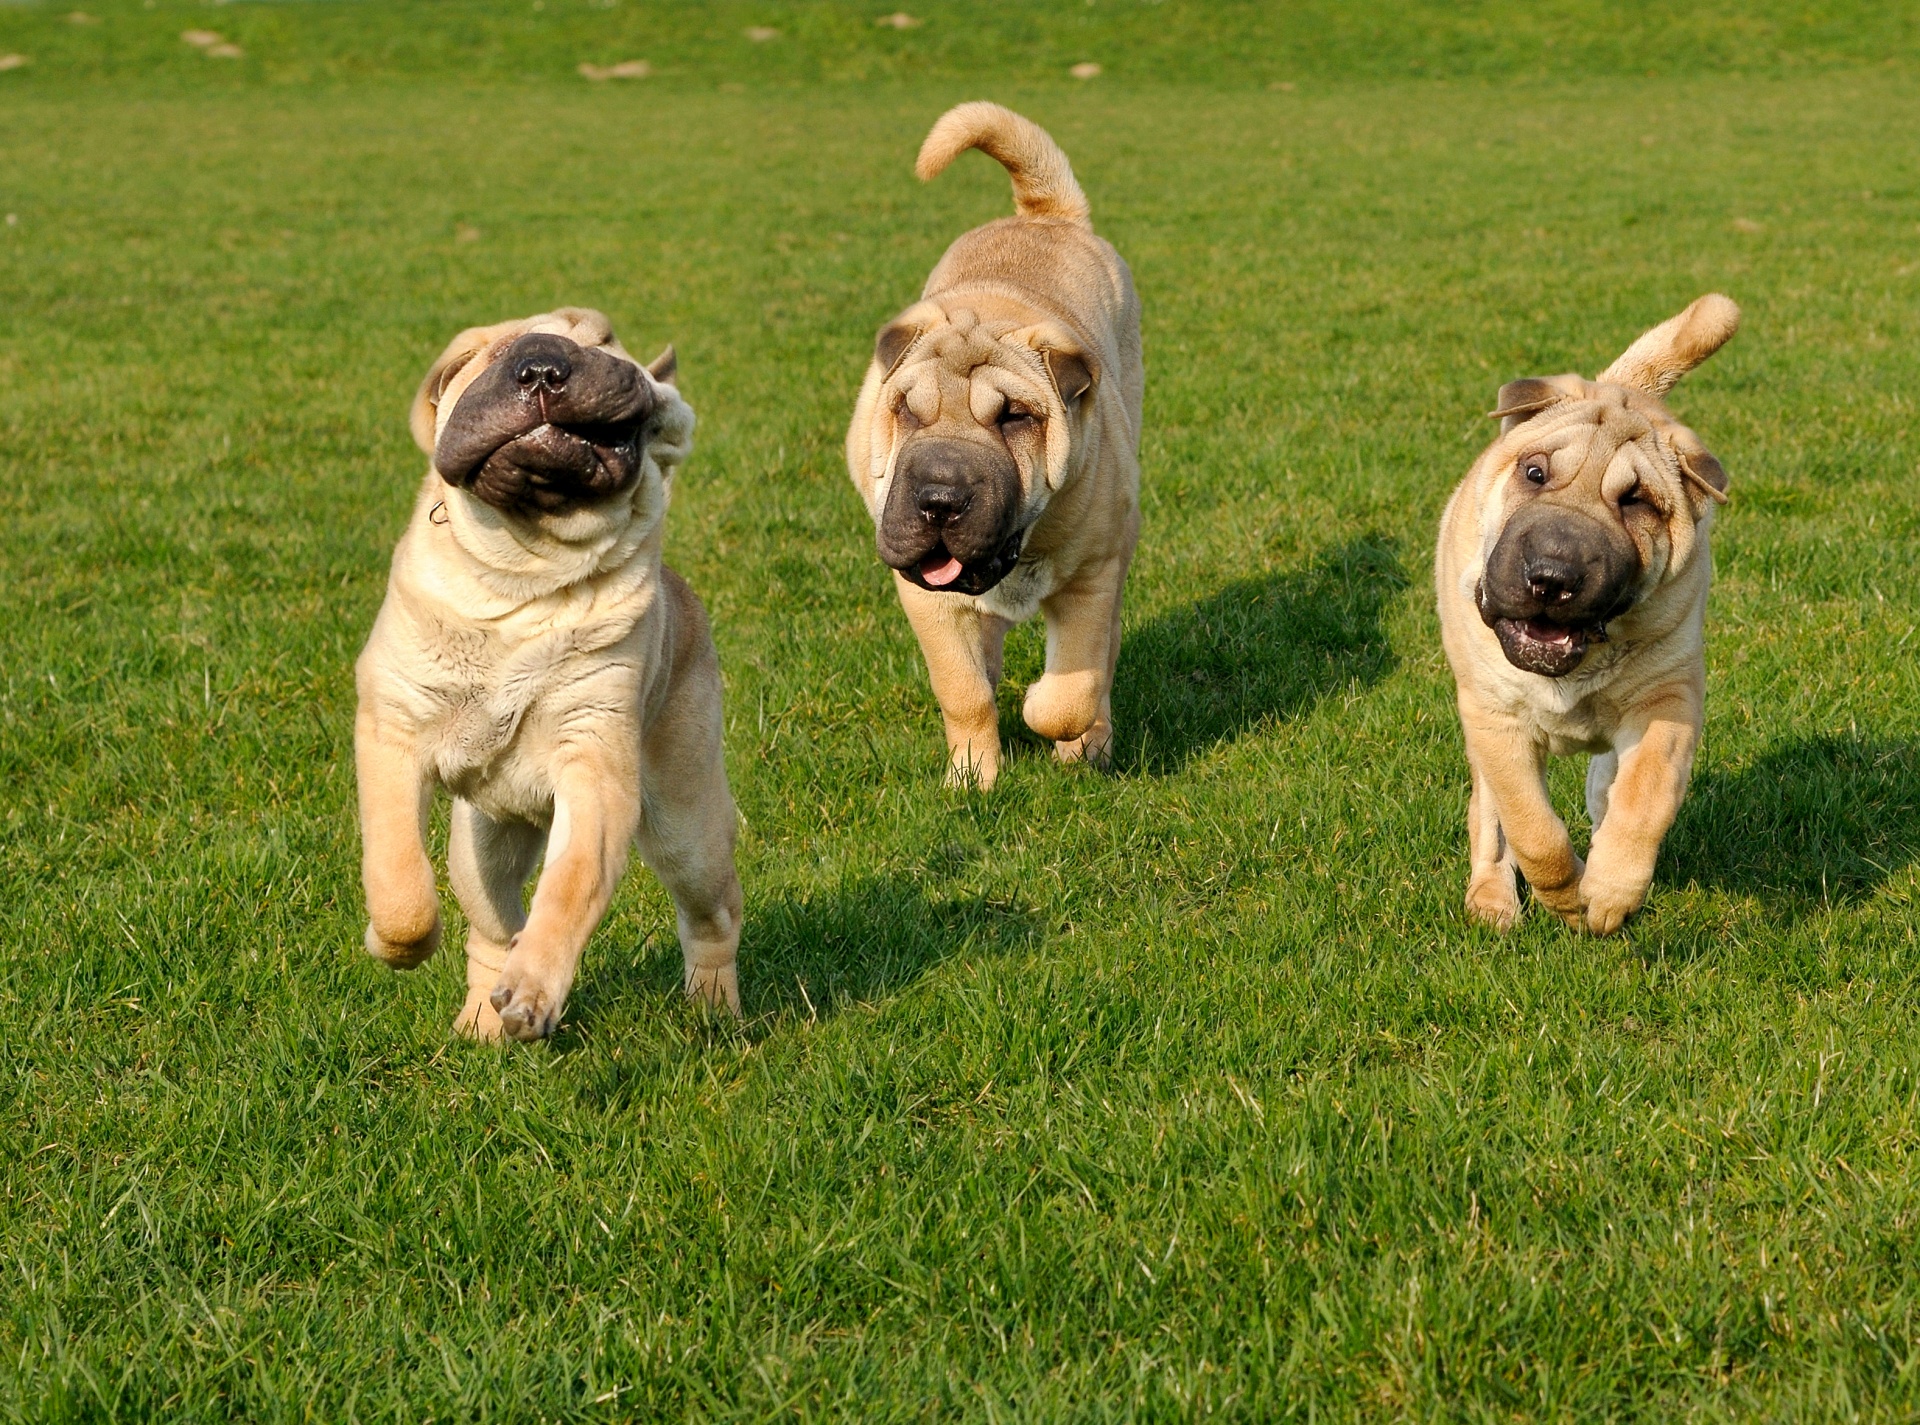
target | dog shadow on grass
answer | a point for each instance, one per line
(815, 952)
(1813, 823)
(1259, 649)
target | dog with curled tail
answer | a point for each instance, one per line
(996, 446)
(1572, 576)
(536, 659)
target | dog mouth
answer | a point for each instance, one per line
(592, 453)
(1553, 650)
(554, 466)
(942, 572)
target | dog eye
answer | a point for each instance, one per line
(1632, 499)
(1014, 414)
(1534, 468)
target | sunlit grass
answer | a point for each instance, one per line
(1182, 1090)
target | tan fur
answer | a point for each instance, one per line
(1043, 181)
(1662, 356)
(559, 681)
(1012, 309)
(1635, 702)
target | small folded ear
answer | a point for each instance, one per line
(1072, 374)
(426, 401)
(1704, 472)
(665, 366)
(896, 339)
(1523, 399)
(1663, 355)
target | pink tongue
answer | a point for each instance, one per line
(943, 573)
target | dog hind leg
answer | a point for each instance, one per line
(1601, 770)
(488, 863)
(687, 830)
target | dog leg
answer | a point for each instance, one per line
(596, 811)
(1601, 769)
(687, 828)
(962, 645)
(1492, 896)
(1512, 770)
(1072, 703)
(403, 903)
(488, 863)
(1655, 747)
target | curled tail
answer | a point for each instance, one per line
(1660, 357)
(1043, 182)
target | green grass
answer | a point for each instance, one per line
(1181, 1092)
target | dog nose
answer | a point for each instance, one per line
(541, 360)
(941, 505)
(1552, 580)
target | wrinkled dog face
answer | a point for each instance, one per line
(975, 423)
(1598, 497)
(547, 415)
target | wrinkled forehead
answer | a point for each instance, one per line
(967, 372)
(1592, 432)
(578, 325)
(963, 350)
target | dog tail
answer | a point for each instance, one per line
(1672, 349)
(1043, 182)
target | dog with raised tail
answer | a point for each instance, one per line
(1572, 577)
(996, 445)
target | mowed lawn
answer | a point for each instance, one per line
(1181, 1092)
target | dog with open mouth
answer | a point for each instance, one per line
(536, 658)
(1572, 575)
(996, 445)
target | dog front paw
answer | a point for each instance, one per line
(1565, 901)
(528, 1003)
(1493, 899)
(1062, 707)
(403, 911)
(1608, 906)
(403, 945)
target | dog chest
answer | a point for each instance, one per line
(1016, 597)
(491, 715)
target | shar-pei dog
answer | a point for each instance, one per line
(536, 658)
(996, 445)
(1572, 575)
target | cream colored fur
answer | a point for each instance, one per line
(1006, 307)
(560, 683)
(1637, 701)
